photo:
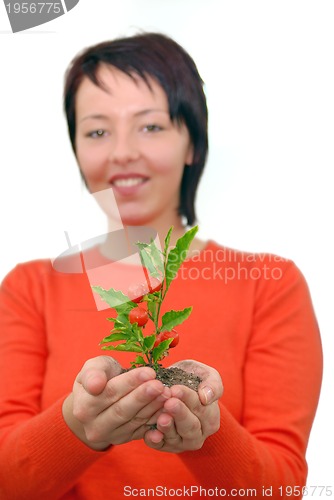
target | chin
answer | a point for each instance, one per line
(135, 220)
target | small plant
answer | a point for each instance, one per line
(143, 304)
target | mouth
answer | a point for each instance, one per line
(128, 184)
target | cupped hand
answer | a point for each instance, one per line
(109, 407)
(188, 418)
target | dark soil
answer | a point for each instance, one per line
(176, 376)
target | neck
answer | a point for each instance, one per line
(160, 226)
(128, 235)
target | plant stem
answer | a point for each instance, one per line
(159, 302)
(161, 292)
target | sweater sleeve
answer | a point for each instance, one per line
(37, 449)
(282, 379)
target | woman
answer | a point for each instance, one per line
(73, 426)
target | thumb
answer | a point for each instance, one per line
(96, 373)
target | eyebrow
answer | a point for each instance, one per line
(139, 113)
(94, 117)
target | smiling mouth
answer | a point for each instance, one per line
(128, 182)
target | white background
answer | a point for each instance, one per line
(268, 69)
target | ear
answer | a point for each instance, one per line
(190, 155)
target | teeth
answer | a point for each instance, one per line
(131, 181)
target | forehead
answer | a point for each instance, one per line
(119, 89)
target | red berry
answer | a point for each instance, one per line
(137, 291)
(138, 315)
(167, 335)
(158, 340)
(173, 334)
(154, 284)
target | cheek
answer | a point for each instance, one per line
(91, 161)
(169, 161)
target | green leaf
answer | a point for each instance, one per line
(121, 321)
(178, 254)
(151, 258)
(139, 361)
(141, 246)
(123, 347)
(137, 333)
(124, 309)
(114, 337)
(160, 349)
(145, 257)
(172, 319)
(122, 317)
(157, 258)
(149, 341)
(152, 306)
(167, 240)
(114, 298)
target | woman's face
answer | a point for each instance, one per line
(125, 140)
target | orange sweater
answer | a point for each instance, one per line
(252, 320)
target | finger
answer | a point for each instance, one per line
(211, 387)
(151, 412)
(94, 381)
(148, 414)
(154, 439)
(208, 416)
(87, 406)
(164, 436)
(143, 421)
(124, 384)
(189, 397)
(96, 372)
(120, 421)
(166, 425)
(187, 424)
(132, 407)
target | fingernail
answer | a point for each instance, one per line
(167, 425)
(177, 392)
(208, 394)
(163, 397)
(145, 375)
(156, 438)
(153, 391)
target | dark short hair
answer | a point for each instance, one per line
(159, 57)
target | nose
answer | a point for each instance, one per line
(124, 148)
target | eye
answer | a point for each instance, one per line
(152, 128)
(96, 134)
